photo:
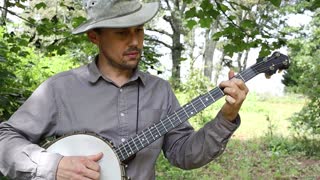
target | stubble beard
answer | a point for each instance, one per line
(122, 65)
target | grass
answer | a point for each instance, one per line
(262, 148)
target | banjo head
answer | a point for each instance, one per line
(89, 144)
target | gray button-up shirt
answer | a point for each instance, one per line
(83, 100)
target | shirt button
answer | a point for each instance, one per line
(120, 90)
(121, 114)
(123, 140)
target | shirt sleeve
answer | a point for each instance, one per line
(20, 156)
(189, 149)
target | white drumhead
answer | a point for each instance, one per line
(85, 145)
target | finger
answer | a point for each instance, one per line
(231, 74)
(96, 157)
(241, 85)
(92, 165)
(91, 174)
(71, 175)
(230, 99)
(231, 91)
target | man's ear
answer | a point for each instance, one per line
(93, 36)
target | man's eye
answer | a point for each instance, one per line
(121, 32)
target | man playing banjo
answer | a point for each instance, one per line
(112, 98)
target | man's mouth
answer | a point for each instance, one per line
(132, 54)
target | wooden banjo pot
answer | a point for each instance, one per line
(111, 164)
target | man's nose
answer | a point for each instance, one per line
(134, 39)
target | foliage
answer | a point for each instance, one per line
(12, 90)
(22, 69)
(307, 122)
(252, 159)
(263, 157)
(303, 75)
(195, 85)
(255, 30)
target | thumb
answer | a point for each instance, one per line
(95, 157)
(231, 74)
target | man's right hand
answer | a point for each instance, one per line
(79, 167)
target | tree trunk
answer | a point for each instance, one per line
(4, 12)
(218, 69)
(210, 47)
(245, 60)
(176, 56)
(239, 61)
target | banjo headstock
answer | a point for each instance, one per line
(270, 65)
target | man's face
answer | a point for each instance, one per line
(120, 47)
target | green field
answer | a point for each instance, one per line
(262, 148)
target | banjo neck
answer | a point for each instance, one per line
(159, 129)
(267, 65)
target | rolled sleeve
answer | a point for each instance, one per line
(46, 163)
(20, 156)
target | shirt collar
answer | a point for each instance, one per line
(95, 74)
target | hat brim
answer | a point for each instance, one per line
(145, 14)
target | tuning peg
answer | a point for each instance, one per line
(267, 76)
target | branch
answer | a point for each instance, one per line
(169, 20)
(168, 4)
(219, 7)
(160, 31)
(158, 41)
(13, 13)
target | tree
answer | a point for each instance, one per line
(303, 75)
(244, 24)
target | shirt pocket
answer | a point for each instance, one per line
(148, 118)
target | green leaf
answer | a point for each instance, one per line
(191, 24)
(187, 1)
(213, 13)
(244, 7)
(223, 7)
(232, 17)
(205, 4)
(275, 2)
(216, 36)
(205, 22)
(191, 13)
(40, 5)
(248, 24)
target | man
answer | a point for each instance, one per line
(112, 98)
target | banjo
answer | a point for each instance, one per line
(112, 163)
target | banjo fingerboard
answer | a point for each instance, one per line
(154, 132)
(267, 65)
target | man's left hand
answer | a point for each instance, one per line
(236, 92)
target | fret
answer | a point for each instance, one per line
(178, 117)
(134, 144)
(164, 126)
(140, 141)
(145, 137)
(157, 130)
(151, 134)
(222, 93)
(170, 121)
(241, 77)
(186, 111)
(131, 151)
(202, 102)
(212, 96)
(119, 149)
(125, 149)
(193, 108)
